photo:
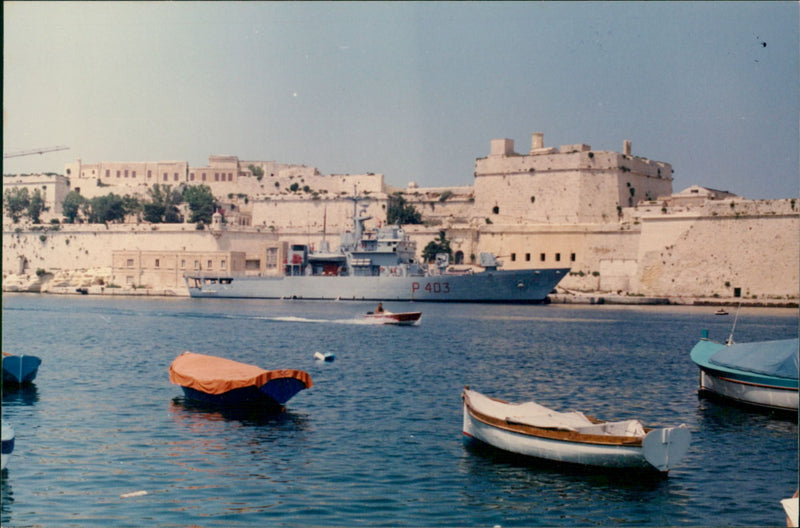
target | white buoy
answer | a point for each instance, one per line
(323, 357)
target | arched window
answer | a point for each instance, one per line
(459, 257)
(496, 210)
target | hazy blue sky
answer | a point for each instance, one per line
(412, 90)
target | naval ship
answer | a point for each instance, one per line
(379, 265)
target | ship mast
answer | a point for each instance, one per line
(324, 222)
(358, 222)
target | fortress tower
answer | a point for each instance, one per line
(565, 185)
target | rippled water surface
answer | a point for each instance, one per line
(377, 440)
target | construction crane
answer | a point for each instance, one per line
(33, 151)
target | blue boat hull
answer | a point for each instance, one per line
(273, 394)
(7, 444)
(18, 370)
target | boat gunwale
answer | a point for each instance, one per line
(719, 375)
(552, 433)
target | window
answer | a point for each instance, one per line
(129, 279)
(572, 257)
(204, 176)
(165, 176)
(541, 257)
(129, 263)
(527, 257)
(558, 257)
(272, 258)
(216, 176)
(495, 210)
(175, 177)
(191, 176)
(118, 174)
(149, 174)
(126, 173)
(133, 174)
(222, 264)
(210, 264)
(108, 173)
(230, 176)
(513, 257)
(158, 263)
(183, 263)
(197, 264)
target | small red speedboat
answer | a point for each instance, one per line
(402, 319)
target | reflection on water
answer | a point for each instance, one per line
(377, 441)
(721, 415)
(573, 492)
(26, 394)
(7, 494)
(215, 435)
(715, 404)
(184, 409)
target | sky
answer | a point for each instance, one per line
(413, 90)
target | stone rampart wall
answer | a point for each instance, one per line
(680, 254)
(709, 256)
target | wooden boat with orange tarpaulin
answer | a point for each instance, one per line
(223, 381)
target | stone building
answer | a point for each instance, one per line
(571, 184)
(53, 188)
(612, 217)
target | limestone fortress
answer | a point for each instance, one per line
(612, 217)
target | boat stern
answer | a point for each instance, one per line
(664, 448)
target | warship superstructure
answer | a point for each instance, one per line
(380, 264)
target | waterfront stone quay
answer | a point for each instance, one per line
(23, 285)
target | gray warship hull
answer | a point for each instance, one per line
(499, 286)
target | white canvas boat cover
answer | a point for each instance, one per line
(535, 415)
(771, 358)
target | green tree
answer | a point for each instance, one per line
(163, 205)
(108, 208)
(258, 172)
(439, 244)
(201, 202)
(131, 204)
(15, 202)
(401, 212)
(36, 206)
(72, 205)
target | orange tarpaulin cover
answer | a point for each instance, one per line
(215, 375)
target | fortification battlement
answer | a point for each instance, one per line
(503, 160)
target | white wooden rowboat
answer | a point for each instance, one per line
(533, 430)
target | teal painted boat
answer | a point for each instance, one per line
(762, 374)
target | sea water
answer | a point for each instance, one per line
(104, 439)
